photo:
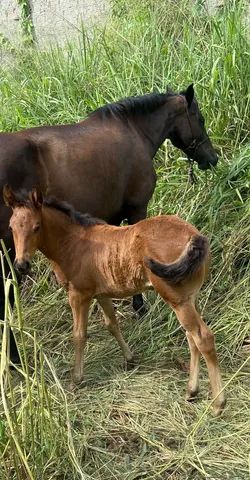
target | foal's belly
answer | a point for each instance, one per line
(117, 291)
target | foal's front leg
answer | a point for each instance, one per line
(60, 277)
(80, 307)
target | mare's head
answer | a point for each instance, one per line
(189, 133)
(25, 224)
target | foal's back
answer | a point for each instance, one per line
(115, 256)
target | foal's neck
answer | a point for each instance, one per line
(58, 237)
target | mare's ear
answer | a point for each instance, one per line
(189, 94)
(36, 197)
(9, 196)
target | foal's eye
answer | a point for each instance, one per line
(36, 228)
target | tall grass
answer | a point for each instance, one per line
(137, 425)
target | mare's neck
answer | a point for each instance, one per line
(156, 126)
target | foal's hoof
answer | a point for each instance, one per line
(72, 387)
(76, 383)
(191, 395)
(218, 408)
(130, 364)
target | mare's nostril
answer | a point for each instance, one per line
(22, 267)
(214, 161)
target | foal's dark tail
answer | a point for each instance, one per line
(188, 263)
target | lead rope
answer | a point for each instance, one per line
(192, 179)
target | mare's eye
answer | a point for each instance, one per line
(36, 228)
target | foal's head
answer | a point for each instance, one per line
(189, 133)
(25, 224)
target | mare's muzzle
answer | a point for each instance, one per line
(22, 267)
(202, 151)
(209, 162)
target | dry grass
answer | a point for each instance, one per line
(136, 425)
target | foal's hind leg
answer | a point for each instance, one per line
(193, 383)
(113, 327)
(203, 338)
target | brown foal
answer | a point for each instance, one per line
(96, 260)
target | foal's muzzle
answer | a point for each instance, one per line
(22, 267)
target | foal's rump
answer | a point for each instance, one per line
(174, 249)
(187, 264)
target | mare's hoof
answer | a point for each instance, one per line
(14, 354)
(138, 305)
(142, 311)
(15, 360)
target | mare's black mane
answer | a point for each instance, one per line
(85, 219)
(134, 105)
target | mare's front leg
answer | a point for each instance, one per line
(134, 215)
(80, 308)
(14, 354)
(112, 325)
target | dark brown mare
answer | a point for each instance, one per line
(103, 165)
(96, 260)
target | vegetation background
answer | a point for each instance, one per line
(136, 425)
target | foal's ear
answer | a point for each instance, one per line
(36, 197)
(189, 94)
(9, 196)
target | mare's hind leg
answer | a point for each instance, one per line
(112, 325)
(203, 338)
(134, 215)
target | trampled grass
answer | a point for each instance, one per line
(129, 425)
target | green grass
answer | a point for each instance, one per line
(136, 425)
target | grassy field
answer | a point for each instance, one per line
(137, 425)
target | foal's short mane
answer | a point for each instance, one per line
(134, 105)
(84, 219)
